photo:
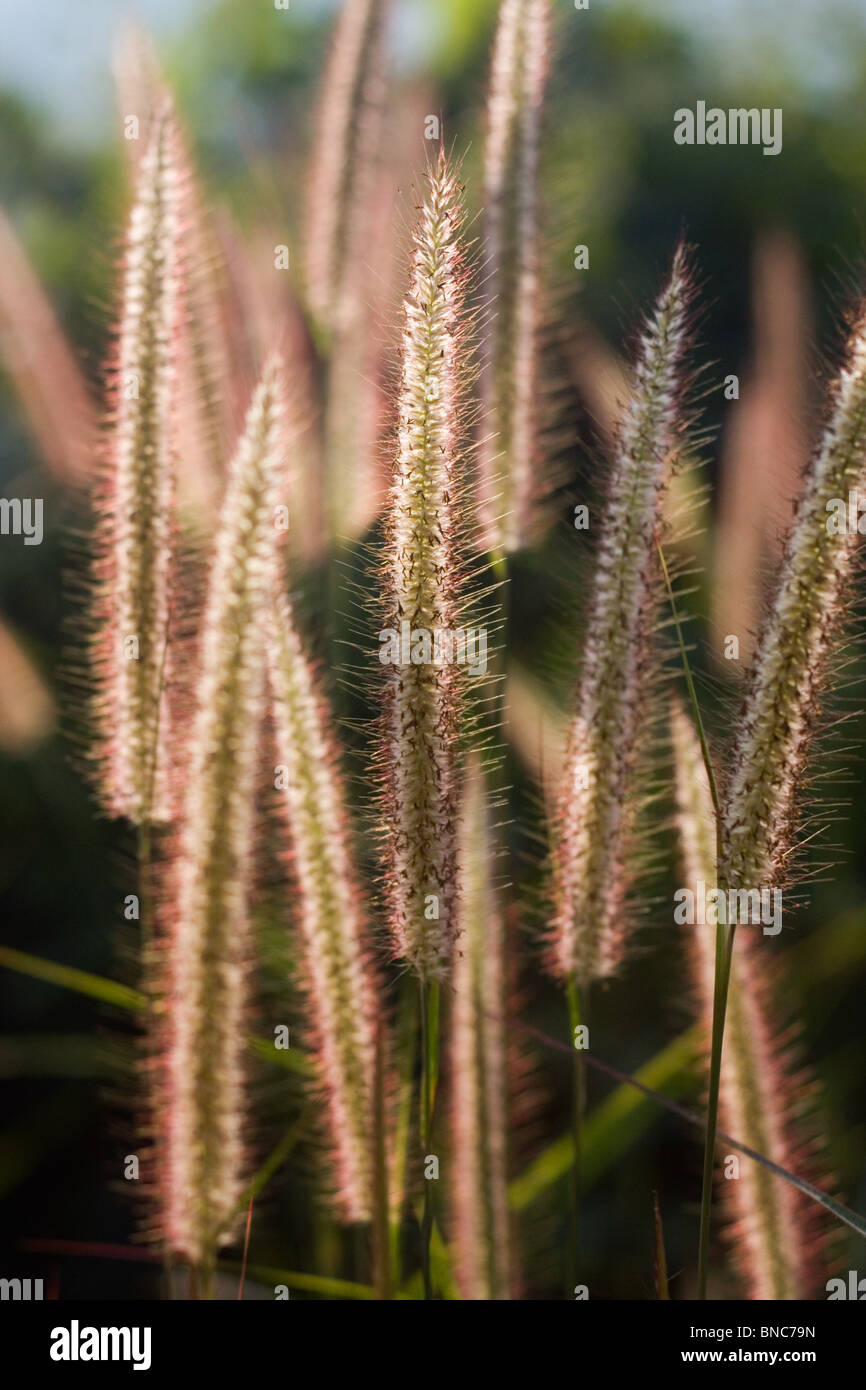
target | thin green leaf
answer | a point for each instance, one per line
(308, 1283)
(122, 997)
(612, 1127)
(272, 1164)
(80, 981)
(289, 1058)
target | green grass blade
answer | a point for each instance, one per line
(79, 981)
(613, 1126)
(289, 1058)
(272, 1164)
(123, 997)
(307, 1283)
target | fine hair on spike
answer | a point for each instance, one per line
(792, 659)
(202, 1123)
(596, 799)
(134, 526)
(423, 699)
(478, 1061)
(775, 1239)
(343, 991)
(509, 367)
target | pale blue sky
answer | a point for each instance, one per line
(57, 52)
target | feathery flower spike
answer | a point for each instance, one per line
(478, 1053)
(509, 379)
(209, 413)
(135, 521)
(773, 1231)
(590, 881)
(342, 161)
(208, 942)
(42, 367)
(790, 664)
(343, 992)
(422, 702)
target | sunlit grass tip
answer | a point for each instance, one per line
(591, 862)
(134, 512)
(794, 655)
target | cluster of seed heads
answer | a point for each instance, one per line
(250, 680)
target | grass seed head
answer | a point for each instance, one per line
(597, 797)
(343, 161)
(510, 379)
(795, 650)
(209, 915)
(132, 656)
(343, 991)
(423, 701)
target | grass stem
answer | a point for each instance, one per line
(381, 1231)
(429, 1010)
(578, 1110)
(724, 956)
